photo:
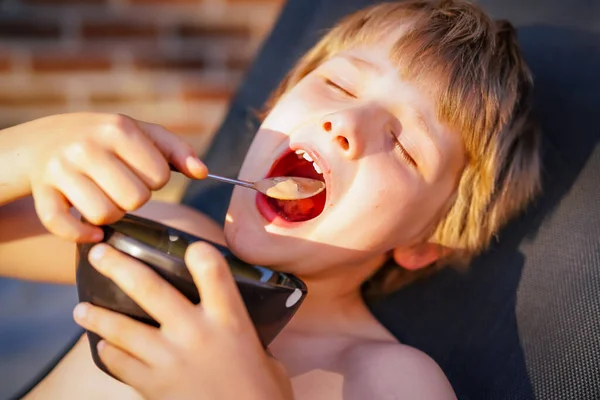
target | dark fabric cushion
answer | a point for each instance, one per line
(524, 321)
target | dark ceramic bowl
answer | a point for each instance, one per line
(271, 297)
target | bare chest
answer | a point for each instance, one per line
(318, 369)
(319, 384)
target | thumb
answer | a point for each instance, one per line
(177, 151)
(215, 282)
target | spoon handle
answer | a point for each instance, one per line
(222, 179)
(233, 181)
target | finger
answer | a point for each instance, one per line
(216, 285)
(278, 367)
(152, 293)
(176, 150)
(113, 176)
(84, 194)
(52, 209)
(140, 340)
(281, 375)
(124, 366)
(135, 148)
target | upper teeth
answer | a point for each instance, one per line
(309, 159)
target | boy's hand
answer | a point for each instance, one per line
(101, 164)
(210, 350)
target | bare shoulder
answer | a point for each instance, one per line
(76, 377)
(183, 218)
(388, 370)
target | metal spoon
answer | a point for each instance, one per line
(279, 187)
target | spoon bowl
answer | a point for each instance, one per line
(277, 187)
(289, 187)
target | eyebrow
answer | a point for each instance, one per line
(422, 123)
(359, 62)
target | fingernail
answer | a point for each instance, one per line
(97, 236)
(101, 345)
(80, 311)
(97, 252)
(195, 166)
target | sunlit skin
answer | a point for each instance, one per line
(391, 170)
(390, 166)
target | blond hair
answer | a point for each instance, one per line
(483, 90)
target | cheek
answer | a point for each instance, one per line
(242, 236)
(304, 102)
(397, 208)
(289, 112)
(259, 157)
(375, 213)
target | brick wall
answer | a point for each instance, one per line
(172, 62)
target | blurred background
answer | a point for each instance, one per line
(172, 62)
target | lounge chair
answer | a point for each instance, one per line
(524, 321)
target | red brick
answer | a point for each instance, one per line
(32, 99)
(160, 63)
(29, 29)
(70, 63)
(238, 63)
(65, 2)
(5, 64)
(204, 93)
(187, 129)
(190, 31)
(121, 98)
(11, 122)
(257, 1)
(165, 2)
(117, 29)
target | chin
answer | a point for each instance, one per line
(251, 242)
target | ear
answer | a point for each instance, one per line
(419, 256)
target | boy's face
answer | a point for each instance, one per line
(389, 165)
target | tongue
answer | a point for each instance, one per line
(295, 210)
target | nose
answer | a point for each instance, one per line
(348, 130)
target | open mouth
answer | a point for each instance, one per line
(294, 163)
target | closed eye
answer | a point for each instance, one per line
(339, 88)
(403, 153)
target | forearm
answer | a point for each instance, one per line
(28, 251)
(14, 182)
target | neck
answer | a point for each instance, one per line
(334, 299)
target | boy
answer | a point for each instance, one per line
(417, 117)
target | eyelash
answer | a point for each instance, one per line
(403, 152)
(338, 88)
